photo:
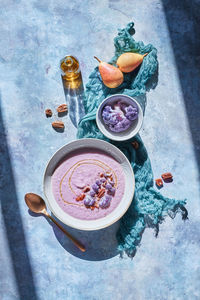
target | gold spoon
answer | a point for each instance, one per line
(38, 206)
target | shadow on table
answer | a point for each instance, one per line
(13, 223)
(183, 20)
(99, 244)
(74, 95)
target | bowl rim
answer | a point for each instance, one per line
(64, 220)
(108, 133)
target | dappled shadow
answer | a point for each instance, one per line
(183, 20)
(99, 244)
(13, 223)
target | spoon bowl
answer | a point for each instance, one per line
(36, 204)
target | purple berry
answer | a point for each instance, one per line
(121, 126)
(108, 186)
(95, 187)
(103, 180)
(111, 182)
(105, 201)
(130, 108)
(106, 118)
(88, 201)
(98, 182)
(131, 113)
(107, 108)
(92, 193)
(120, 117)
(126, 123)
(111, 191)
(131, 116)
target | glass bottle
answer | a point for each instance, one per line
(70, 71)
(73, 87)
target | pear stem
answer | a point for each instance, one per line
(97, 59)
(145, 54)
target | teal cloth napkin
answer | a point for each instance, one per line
(148, 207)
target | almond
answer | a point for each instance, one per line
(48, 112)
(58, 124)
(62, 108)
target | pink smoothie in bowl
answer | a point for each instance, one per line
(88, 184)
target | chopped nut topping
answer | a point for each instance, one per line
(101, 193)
(86, 189)
(80, 197)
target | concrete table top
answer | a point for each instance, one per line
(36, 260)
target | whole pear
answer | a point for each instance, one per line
(129, 61)
(112, 77)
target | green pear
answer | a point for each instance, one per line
(112, 77)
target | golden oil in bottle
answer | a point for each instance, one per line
(70, 71)
(73, 87)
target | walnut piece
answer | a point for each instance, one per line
(48, 112)
(167, 177)
(135, 145)
(62, 108)
(58, 124)
(159, 182)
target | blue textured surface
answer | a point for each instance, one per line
(36, 260)
(148, 207)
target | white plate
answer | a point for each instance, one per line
(118, 212)
(123, 135)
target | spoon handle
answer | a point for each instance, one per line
(75, 241)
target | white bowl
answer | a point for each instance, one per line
(131, 131)
(122, 207)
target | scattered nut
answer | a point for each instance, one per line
(95, 205)
(108, 174)
(48, 112)
(101, 193)
(167, 177)
(62, 108)
(58, 124)
(135, 145)
(86, 189)
(80, 197)
(159, 182)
